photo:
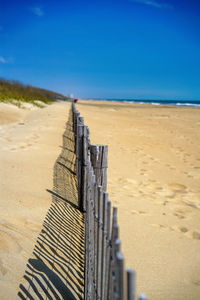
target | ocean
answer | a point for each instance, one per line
(195, 103)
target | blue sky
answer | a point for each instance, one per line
(146, 49)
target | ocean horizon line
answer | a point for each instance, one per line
(151, 101)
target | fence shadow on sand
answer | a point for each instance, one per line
(56, 268)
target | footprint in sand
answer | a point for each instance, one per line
(138, 212)
(177, 188)
(197, 168)
(179, 216)
(180, 213)
(170, 166)
(143, 172)
(195, 235)
(194, 173)
(131, 181)
(192, 204)
(182, 229)
(159, 225)
(21, 147)
(196, 282)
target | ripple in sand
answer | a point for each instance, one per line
(177, 187)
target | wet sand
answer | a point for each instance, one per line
(153, 178)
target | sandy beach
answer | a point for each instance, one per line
(153, 178)
(30, 142)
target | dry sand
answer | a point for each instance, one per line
(30, 141)
(153, 178)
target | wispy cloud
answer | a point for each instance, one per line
(154, 3)
(9, 60)
(38, 11)
(3, 60)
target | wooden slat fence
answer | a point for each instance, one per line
(105, 277)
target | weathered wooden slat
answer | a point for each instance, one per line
(79, 162)
(99, 160)
(91, 237)
(115, 275)
(95, 237)
(76, 116)
(114, 237)
(120, 274)
(107, 249)
(114, 219)
(87, 263)
(81, 120)
(85, 168)
(99, 246)
(76, 131)
(104, 167)
(104, 244)
(130, 284)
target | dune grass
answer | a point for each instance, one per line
(10, 91)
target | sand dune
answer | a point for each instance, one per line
(153, 177)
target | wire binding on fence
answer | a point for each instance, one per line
(104, 263)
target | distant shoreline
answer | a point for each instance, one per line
(190, 103)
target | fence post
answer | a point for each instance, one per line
(99, 160)
(130, 284)
(114, 237)
(76, 122)
(85, 166)
(86, 281)
(91, 236)
(95, 238)
(120, 275)
(79, 162)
